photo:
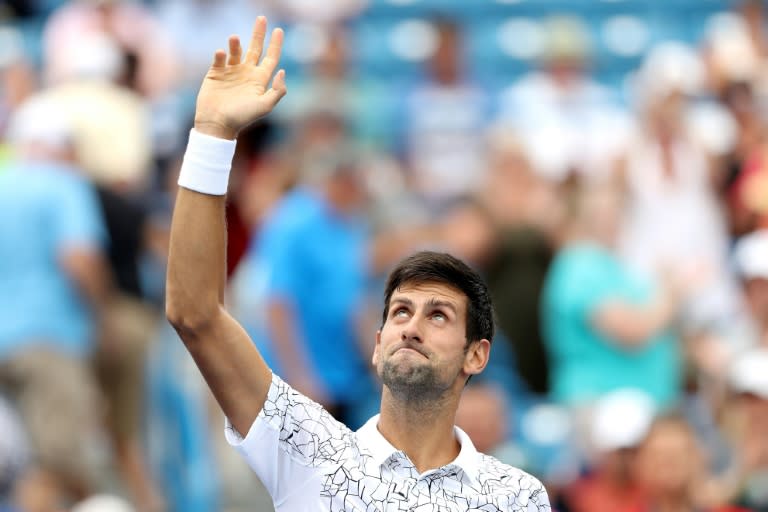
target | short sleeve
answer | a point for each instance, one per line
(290, 440)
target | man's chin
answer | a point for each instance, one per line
(406, 374)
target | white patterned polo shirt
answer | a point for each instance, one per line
(308, 461)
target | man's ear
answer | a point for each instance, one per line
(476, 359)
(375, 358)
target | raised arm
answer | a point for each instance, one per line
(234, 94)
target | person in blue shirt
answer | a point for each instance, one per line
(607, 328)
(309, 264)
(54, 284)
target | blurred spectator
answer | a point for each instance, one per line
(482, 415)
(571, 123)
(748, 379)
(193, 40)
(734, 52)
(111, 122)
(736, 48)
(72, 30)
(444, 125)
(615, 428)
(55, 288)
(132, 323)
(110, 141)
(673, 219)
(328, 12)
(606, 327)
(751, 255)
(17, 79)
(309, 265)
(748, 193)
(330, 83)
(671, 469)
(745, 162)
(508, 229)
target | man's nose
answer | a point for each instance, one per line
(412, 331)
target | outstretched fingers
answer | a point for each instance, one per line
(257, 40)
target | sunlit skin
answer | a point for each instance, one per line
(422, 356)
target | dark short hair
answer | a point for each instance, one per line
(435, 267)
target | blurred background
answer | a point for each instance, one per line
(603, 163)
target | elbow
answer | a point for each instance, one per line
(190, 322)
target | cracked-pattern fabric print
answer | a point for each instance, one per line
(319, 464)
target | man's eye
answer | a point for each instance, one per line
(439, 316)
(401, 312)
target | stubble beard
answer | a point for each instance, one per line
(417, 385)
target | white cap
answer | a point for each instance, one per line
(92, 55)
(103, 503)
(670, 67)
(749, 373)
(39, 120)
(621, 419)
(751, 255)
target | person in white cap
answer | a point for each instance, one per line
(617, 425)
(751, 256)
(748, 380)
(436, 332)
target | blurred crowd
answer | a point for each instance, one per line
(621, 224)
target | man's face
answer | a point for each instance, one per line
(421, 351)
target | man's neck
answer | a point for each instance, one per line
(424, 431)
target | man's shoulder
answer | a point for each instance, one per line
(498, 476)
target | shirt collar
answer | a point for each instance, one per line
(381, 449)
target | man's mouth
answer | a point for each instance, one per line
(410, 349)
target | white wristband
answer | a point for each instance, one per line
(207, 163)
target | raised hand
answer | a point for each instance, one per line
(235, 91)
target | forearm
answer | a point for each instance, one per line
(197, 250)
(196, 258)
(633, 325)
